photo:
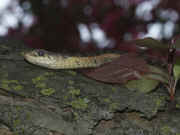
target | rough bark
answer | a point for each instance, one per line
(39, 101)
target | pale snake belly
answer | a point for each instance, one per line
(53, 60)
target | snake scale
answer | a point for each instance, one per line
(53, 60)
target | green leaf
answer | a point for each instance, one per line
(149, 81)
(150, 43)
(157, 73)
(177, 43)
(143, 85)
(157, 77)
(176, 70)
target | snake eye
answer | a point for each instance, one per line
(40, 53)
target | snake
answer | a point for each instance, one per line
(53, 60)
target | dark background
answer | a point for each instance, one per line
(89, 25)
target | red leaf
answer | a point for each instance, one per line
(126, 67)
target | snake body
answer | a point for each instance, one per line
(53, 60)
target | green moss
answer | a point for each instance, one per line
(80, 103)
(16, 122)
(178, 102)
(5, 86)
(40, 85)
(71, 88)
(106, 100)
(113, 89)
(74, 92)
(28, 116)
(158, 102)
(5, 81)
(18, 87)
(166, 130)
(24, 82)
(114, 106)
(18, 108)
(65, 97)
(70, 82)
(49, 74)
(38, 79)
(42, 77)
(10, 81)
(11, 84)
(72, 73)
(178, 106)
(76, 115)
(47, 92)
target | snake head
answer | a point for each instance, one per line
(41, 57)
(40, 52)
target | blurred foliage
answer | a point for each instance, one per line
(56, 21)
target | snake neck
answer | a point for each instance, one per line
(52, 60)
(85, 62)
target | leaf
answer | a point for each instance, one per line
(126, 67)
(177, 43)
(157, 73)
(149, 81)
(150, 43)
(176, 70)
(154, 48)
(131, 70)
(143, 85)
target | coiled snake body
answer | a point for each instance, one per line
(58, 61)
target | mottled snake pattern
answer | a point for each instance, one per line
(54, 60)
